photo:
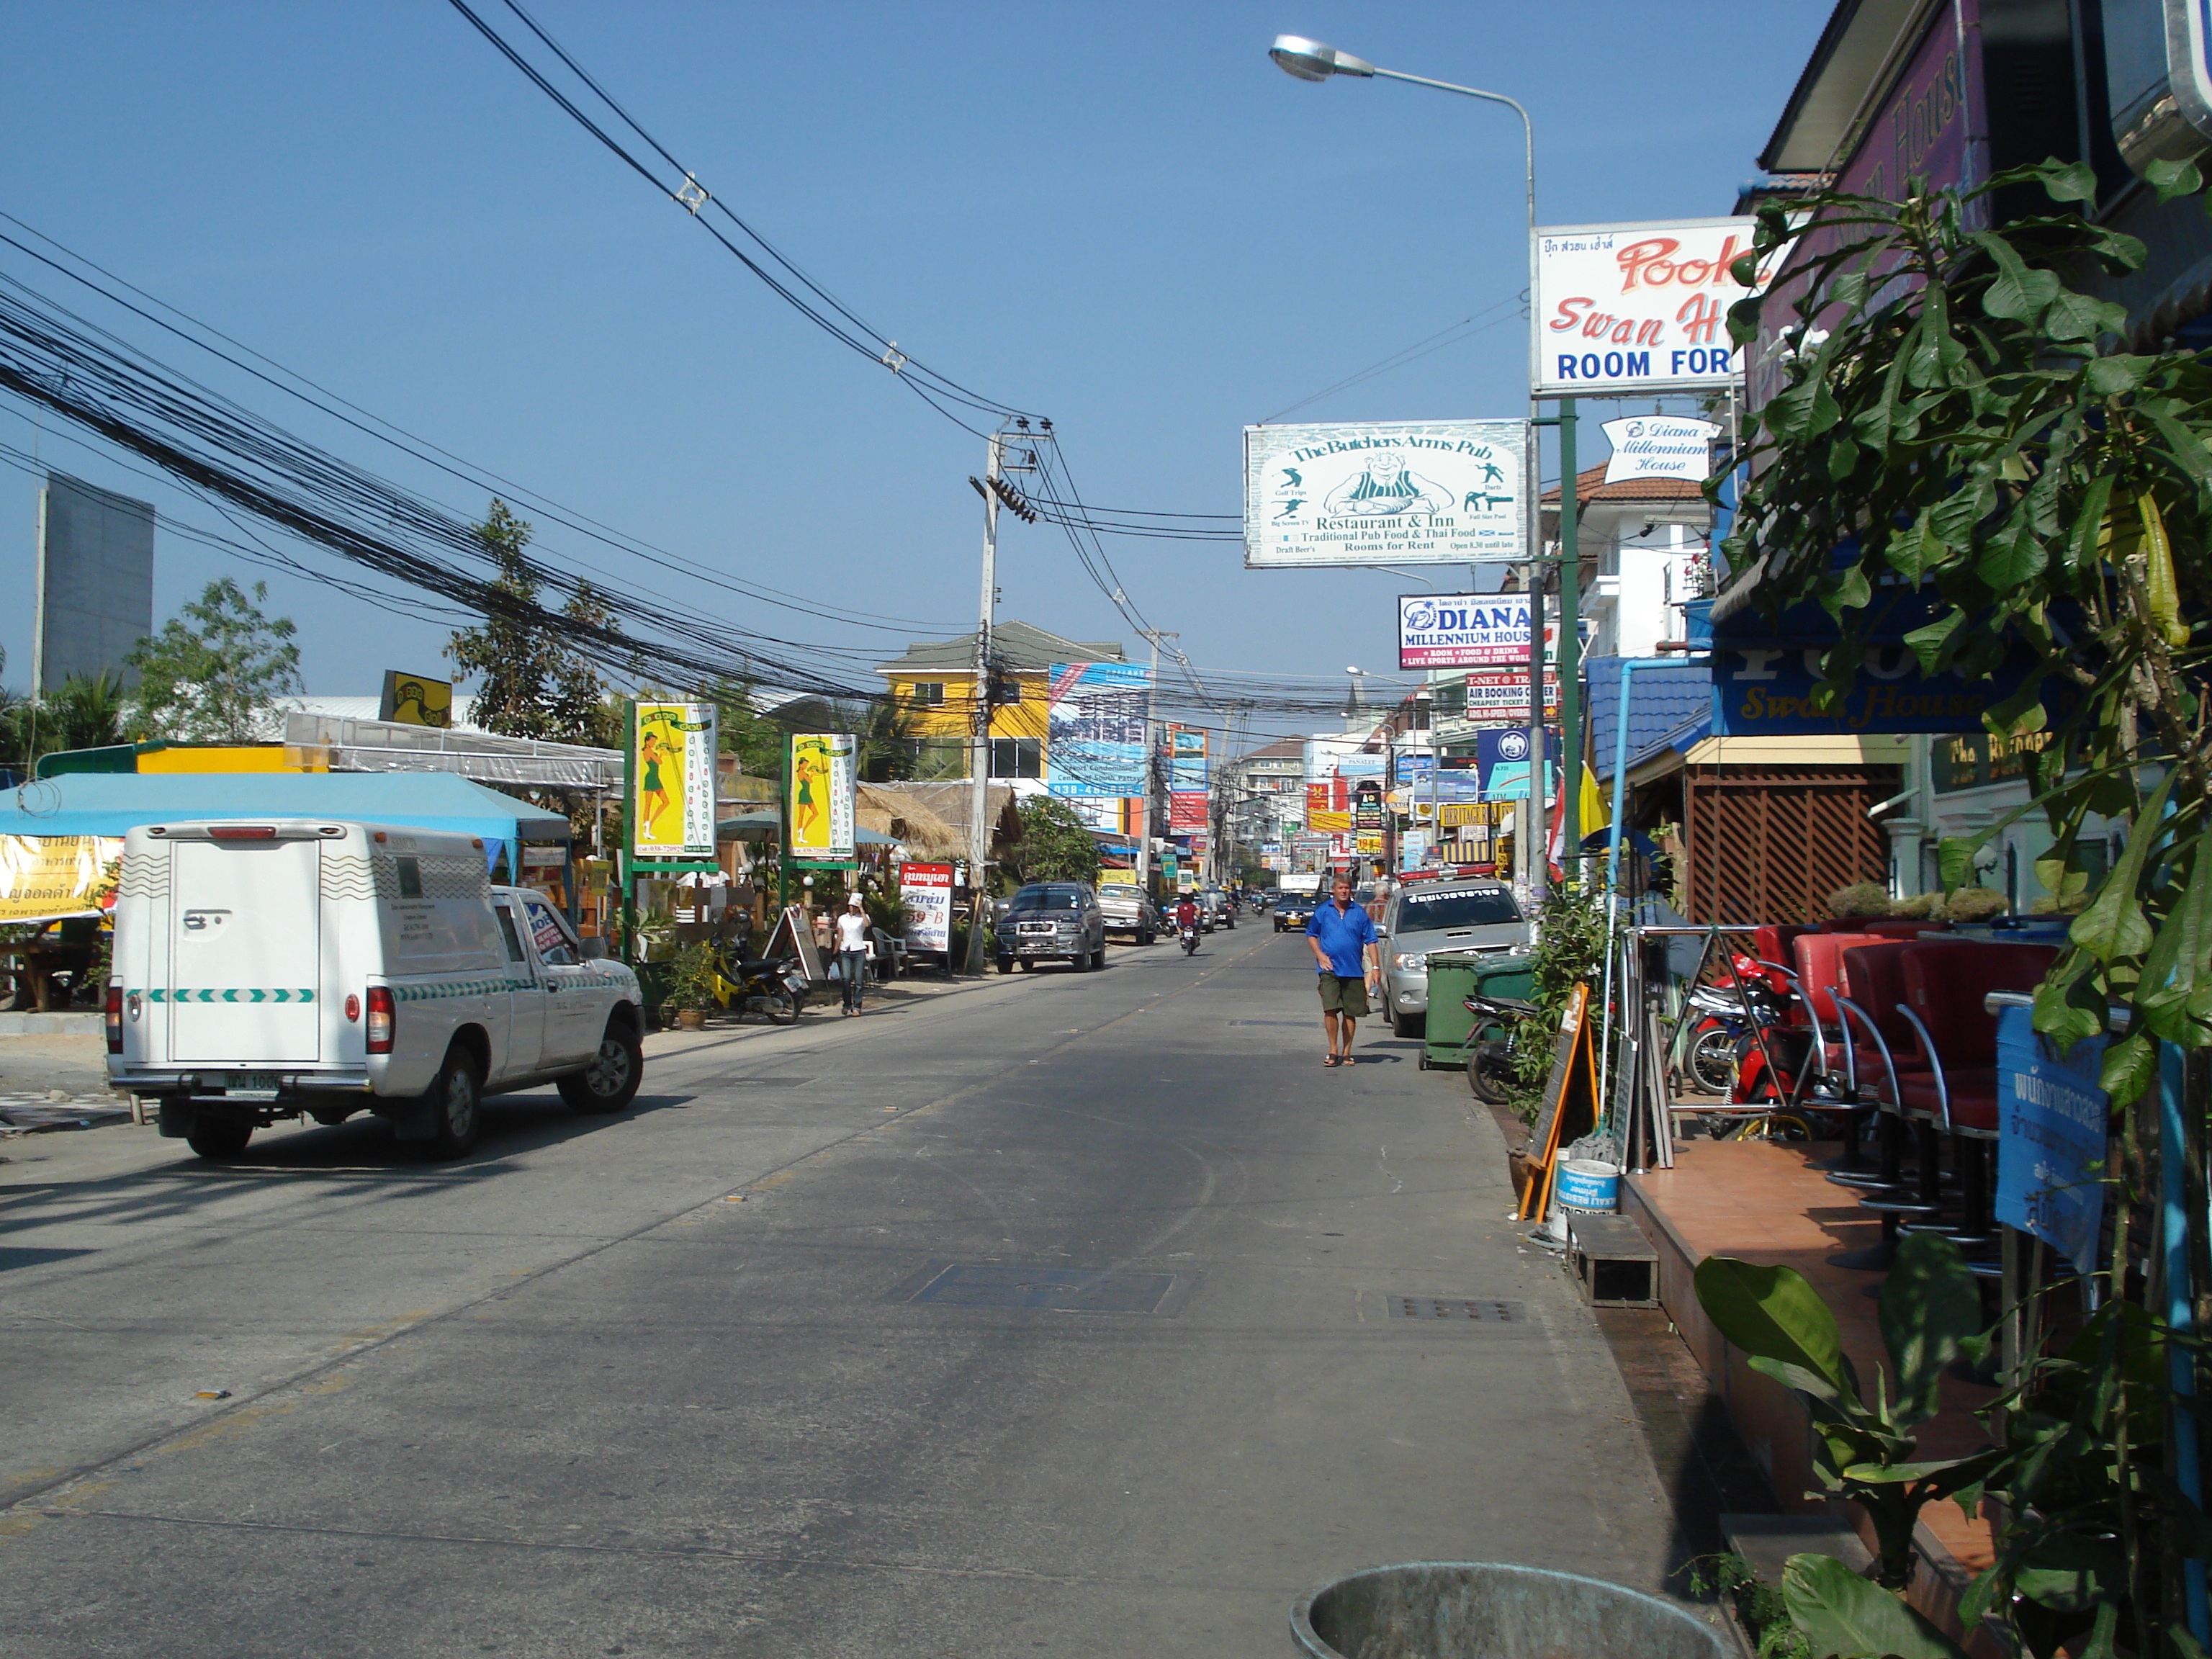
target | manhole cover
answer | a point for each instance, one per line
(1303, 1025)
(1453, 1307)
(1053, 1289)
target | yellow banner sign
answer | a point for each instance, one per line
(822, 766)
(415, 699)
(47, 877)
(672, 781)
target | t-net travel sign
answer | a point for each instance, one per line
(1636, 307)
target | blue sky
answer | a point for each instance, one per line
(1121, 215)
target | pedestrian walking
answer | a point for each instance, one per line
(853, 952)
(1342, 935)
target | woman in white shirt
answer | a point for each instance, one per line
(853, 952)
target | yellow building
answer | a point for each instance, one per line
(936, 681)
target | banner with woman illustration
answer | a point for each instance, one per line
(821, 797)
(672, 780)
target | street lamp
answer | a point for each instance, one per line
(1306, 59)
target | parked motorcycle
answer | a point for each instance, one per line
(1492, 1043)
(775, 986)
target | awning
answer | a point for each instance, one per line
(114, 803)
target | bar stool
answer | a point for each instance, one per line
(1819, 974)
(1957, 1096)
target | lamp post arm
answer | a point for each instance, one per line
(1527, 127)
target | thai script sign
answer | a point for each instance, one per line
(1096, 736)
(1636, 308)
(2051, 1138)
(821, 801)
(926, 892)
(50, 877)
(1437, 492)
(672, 780)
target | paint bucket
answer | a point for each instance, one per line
(1585, 1183)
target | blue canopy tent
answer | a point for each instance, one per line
(114, 804)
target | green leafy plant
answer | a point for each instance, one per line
(1570, 951)
(1758, 1605)
(694, 969)
(1864, 1451)
(1055, 845)
(214, 671)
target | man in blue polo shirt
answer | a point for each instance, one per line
(1342, 935)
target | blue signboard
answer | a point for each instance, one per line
(1766, 690)
(2052, 1122)
(1765, 669)
(1096, 741)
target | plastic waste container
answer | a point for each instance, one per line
(1454, 976)
(1487, 1610)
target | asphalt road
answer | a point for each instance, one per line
(734, 1375)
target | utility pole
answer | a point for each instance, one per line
(979, 766)
(1144, 811)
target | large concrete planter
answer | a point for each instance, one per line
(1487, 1610)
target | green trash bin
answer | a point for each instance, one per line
(1456, 975)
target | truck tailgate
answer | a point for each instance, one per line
(246, 956)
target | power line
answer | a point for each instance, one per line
(423, 449)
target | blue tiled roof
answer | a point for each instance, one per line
(1668, 708)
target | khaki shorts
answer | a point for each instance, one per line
(1343, 996)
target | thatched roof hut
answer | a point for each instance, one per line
(929, 821)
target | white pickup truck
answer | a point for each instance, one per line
(296, 967)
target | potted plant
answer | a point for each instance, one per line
(696, 971)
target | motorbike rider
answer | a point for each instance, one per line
(1186, 913)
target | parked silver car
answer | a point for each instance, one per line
(1129, 911)
(1427, 916)
(1052, 922)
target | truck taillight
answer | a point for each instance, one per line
(380, 1013)
(115, 1020)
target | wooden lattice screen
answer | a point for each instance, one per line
(1771, 843)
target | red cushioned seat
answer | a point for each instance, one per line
(1944, 984)
(1973, 1096)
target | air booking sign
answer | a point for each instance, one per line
(1638, 308)
(1437, 492)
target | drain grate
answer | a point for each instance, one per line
(1453, 1307)
(1303, 1025)
(1050, 1290)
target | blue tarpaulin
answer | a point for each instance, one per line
(114, 804)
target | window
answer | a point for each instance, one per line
(929, 693)
(1017, 757)
(551, 934)
(506, 926)
(1006, 690)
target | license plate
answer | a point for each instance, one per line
(251, 1085)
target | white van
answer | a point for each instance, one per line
(288, 967)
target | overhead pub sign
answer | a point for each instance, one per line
(672, 781)
(1434, 492)
(1639, 307)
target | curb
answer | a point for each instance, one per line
(81, 1024)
